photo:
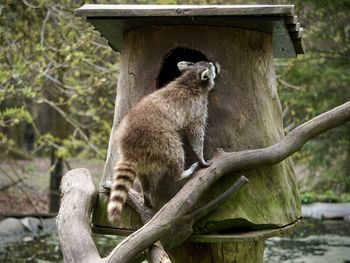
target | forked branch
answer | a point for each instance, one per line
(223, 163)
(182, 204)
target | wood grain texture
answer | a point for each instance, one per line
(112, 21)
(113, 28)
(182, 10)
(163, 222)
(78, 192)
(73, 220)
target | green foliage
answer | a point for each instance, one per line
(328, 196)
(53, 65)
(12, 116)
(318, 81)
(59, 77)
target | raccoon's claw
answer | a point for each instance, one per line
(205, 164)
(187, 173)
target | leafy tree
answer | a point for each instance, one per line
(57, 76)
(58, 80)
(320, 80)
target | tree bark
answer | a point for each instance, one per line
(244, 113)
(73, 219)
(224, 163)
(78, 192)
(56, 175)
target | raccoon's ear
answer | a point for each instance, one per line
(205, 74)
(217, 67)
(182, 65)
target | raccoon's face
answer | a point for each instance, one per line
(207, 71)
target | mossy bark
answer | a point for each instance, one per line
(244, 113)
(247, 252)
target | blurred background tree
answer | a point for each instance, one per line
(58, 80)
(317, 81)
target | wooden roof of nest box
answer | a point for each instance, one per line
(112, 21)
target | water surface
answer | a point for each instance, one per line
(314, 242)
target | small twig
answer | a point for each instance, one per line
(20, 188)
(29, 4)
(11, 184)
(75, 124)
(67, 164)
(288, 85)
(42, 33)
(135, 199)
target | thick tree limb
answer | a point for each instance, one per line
(135, 199)
(76, 205)
(183, 228)
(156, 252)
(209, 207)
(73, 219)
(223, 163)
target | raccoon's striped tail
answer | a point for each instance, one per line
(123, 178)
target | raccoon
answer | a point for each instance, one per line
(148, 138)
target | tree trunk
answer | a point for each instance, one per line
(346, 166)
(244, 113)
(56, 175)
(175, 220)
(248, 252)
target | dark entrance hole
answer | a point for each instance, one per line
(169, 70)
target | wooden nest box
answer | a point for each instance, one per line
(244, 108)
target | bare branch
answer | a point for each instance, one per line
(73, 219)
(135, 199)
(76, 205)
(42, 33)
(13, 183)
(75, 124)
(288, 85)
(223, 163)
(29, 4)
(156, 252)
(209, 207)
(29, 199)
